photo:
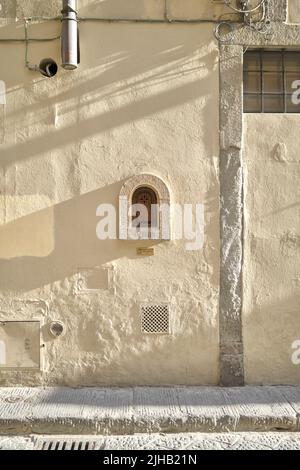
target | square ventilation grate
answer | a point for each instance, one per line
(155, 318)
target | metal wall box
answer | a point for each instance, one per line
(19, 345)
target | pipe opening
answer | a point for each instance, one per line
(48, 67)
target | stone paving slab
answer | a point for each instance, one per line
(118, 411)
(109, 410)
(157, 409)
(57, 407)
(262, 409)
(206, 407)
(291, 395)
(15, 408)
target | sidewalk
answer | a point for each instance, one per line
(117, 411)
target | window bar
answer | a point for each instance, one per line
(262, 85)
(284, 78)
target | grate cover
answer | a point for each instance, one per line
(155, 318)
(65, 443)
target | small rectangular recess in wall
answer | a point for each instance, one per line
(93, 279)
(20, 345)
(155, 318)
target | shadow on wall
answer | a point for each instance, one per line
(128, 76)
(66, 234)
(51, 244)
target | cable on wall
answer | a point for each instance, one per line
(260, 24)
(257, 18)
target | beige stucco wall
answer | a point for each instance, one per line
(294, 11)
(271, 321)
(145, 99)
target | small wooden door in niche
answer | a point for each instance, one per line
(146, 197)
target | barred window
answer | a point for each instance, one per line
(272, 81)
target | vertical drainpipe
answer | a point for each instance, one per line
(70, 37)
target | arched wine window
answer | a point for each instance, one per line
(144, 209)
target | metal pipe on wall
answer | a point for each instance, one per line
(70, 37)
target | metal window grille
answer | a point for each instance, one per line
(270, 81)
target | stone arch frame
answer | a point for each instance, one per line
(163, 201)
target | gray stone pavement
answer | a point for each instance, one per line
(130, 411)
(181, 441)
